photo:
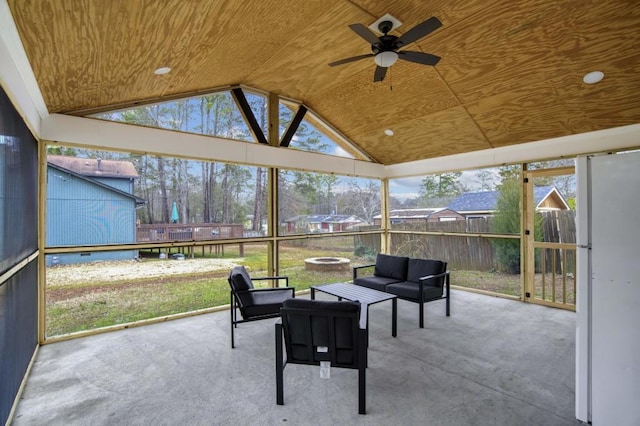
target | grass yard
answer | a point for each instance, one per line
(497, 282)
(88, 296)
(92, 295)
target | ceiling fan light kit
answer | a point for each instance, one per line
(386, 48)
(385, 59)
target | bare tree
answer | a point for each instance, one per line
(361, 200)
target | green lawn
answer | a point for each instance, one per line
(99, 303)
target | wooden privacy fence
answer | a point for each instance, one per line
(558, 227)
(470, 252)
(461, 252)
(473, 251)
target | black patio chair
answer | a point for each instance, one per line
(318, 330)
(255, 303)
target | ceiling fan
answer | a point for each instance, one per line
(385, 49)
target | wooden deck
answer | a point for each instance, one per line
(187, 232)
(177, 232)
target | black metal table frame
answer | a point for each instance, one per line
(366, 296)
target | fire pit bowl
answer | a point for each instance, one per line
(327, 264)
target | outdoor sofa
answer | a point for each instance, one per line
(415, 280)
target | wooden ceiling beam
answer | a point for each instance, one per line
(274, 119)
(293, 126)
(247, 114)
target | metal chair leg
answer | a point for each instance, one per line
(279, 367)
(362, 376)
(448, 296)
(232, 309)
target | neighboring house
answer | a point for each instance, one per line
(322, 223)
(473, 205)
(90, 202)
(549, 198)
(440, 214)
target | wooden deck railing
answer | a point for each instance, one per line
(187, 232)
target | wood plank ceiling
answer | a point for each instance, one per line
(511, 70)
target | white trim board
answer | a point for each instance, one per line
(567, 146)
(16, 75)
(103, 134)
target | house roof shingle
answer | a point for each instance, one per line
(94, 167)
(486, 200)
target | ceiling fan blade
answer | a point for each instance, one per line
(365, 33)
(352, 59)
(419, 31)
(419, 57)
(379, 74)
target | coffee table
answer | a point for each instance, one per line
(366, 296)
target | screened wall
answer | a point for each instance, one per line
(470, 219)
(18, 252)
(192, 220)
(133, 237)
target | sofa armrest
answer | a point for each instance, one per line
(446, 276)
(430, 277)
(357, 268)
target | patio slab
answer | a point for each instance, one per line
(493, 362)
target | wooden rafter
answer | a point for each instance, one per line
(247, 114)
(293, 126)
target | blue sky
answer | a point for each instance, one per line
(406, 188)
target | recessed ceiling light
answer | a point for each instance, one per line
(388, 132)
(162, 71)
(593, 77)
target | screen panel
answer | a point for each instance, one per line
(18, 187)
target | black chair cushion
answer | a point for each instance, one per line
(410, 290)
(256, 303)
(323, 305)
(419, 268)
(239, 279)
(318, 320)
(391, 266)
(375, 282)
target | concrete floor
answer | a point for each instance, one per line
(493, 362)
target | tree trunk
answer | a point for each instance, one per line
(162, 180)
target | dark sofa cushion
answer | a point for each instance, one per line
(409, 290)
(374, 282)
(419, 268)
(391, 266)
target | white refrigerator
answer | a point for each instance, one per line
(608, 289)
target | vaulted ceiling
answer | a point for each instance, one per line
(511, 70)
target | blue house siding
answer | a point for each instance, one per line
(82, 212)
(124, 185)
(90, 222)
(71, 258)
